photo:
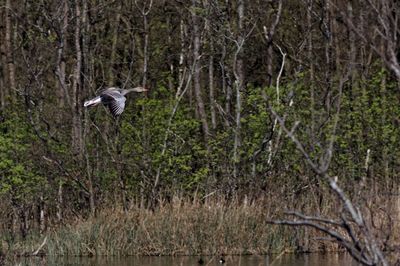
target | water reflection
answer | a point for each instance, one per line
(285, 260)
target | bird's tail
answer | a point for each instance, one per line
(93, 102)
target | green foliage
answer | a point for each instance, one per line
(149, 140)
(367, 123)
(19, 174)
(256, 122)
(142, 135)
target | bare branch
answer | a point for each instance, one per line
(368, 252)
(298, 144)
(357, 254)
(314, 218)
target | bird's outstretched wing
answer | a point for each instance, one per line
(114, 101)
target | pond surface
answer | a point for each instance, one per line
(330, 259)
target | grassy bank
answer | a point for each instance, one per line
(177, 228)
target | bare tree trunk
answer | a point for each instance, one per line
(23, 226)
(145, 10)
(313, 121)
(335, 38)
(3, 58)
(90, 183)
(14, 222)
(239, 80)
(145, 47)
(170, 61)
(62, 91)
(2, 76)
(122, 184)
(270, 61)
(77, 141)
(91, 195)
(385, 150)
(181, 55)
(326, 31)
(196, 76)
(60, 202)
(269, 35)
(211, 72)
(211, 86)
(42, 221)
(9, 48)
(2, 92)
(114, 44)
(85, 60)
(352, 50)
(312, 70)
(225, 86)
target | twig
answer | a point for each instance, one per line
(209, 194)
(40, 247)
(280, 73)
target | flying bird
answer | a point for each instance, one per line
(113, 98)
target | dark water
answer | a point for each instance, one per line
(285, 260)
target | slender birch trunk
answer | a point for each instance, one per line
(77, 141)
(9, 48)
(211, 85)
(239, 79)
(62, 91)
(4, 73)
(312, 70)
(197, 73)
(116, 25)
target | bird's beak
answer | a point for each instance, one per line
(142, 89)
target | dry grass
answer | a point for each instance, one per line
(183, 227)
(178, 228)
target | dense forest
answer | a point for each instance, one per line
(224, 78)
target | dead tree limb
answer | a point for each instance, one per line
(352, 232)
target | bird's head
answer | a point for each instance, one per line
(140, 89)
(136, 89)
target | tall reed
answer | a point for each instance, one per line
(183, 227)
